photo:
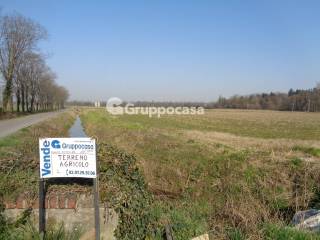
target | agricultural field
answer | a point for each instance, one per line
(159, 120)
(236, 174)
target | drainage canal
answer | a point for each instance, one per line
(76, 129)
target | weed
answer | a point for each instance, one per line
(235, 234)
(309, 150)
(19, 155)
(276, 232)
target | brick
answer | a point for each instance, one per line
(53, 202)
(46, 201)
(84, 201)
(72, 201)
(35, 203)
(10, 205)
(62, 201)
(20, 202)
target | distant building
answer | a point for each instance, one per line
(97, 104)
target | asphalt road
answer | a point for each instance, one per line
(10, 126)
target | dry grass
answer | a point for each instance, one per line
(19, 155)
(226, 169)
(279, 149)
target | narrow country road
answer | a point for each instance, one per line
(10, 126)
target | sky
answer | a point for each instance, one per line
(182, 50)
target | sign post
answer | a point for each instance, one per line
(96, 202)
(42, 216)
(65, 158)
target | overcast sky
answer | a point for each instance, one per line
(178, 50)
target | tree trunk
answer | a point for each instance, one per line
(7, 94)
(22, 99)
(27, 99)
(31, 103)
(27, 103)
(18, 100)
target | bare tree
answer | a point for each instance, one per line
(18, 35)
(35, 85)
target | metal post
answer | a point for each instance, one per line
(42, 216)
(96, 201)
(168, 232)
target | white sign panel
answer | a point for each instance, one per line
(67, 157)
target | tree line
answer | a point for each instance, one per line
(307, 100)
(29, 83)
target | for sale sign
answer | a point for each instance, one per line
(67, 157)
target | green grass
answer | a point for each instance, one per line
(10, 141)
(309, 150)
(262, 124)
(275, 232)
(235, 234)
(235, 186)
(197, 184)
(19, 155)
(24, 229)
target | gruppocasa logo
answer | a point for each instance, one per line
(115, 106)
